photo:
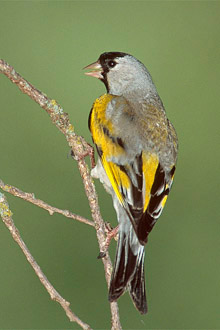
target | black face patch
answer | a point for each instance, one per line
(105, 57)
(108, 61)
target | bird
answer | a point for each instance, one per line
(137, 150)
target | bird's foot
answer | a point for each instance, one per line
(110, 234)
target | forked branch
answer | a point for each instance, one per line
(79, 149)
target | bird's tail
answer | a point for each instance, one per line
(128, 272)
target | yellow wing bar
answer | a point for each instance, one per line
(117, 178)
(150, 164)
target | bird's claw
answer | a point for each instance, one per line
(110, 234)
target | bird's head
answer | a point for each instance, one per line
(121, 73)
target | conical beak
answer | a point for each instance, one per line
(97, 70)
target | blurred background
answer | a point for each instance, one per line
(48, 43)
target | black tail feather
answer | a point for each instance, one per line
(124, 267)
(128, 272)
(137, 288)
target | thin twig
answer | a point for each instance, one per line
(30, 197)
(6, 216)
(78, 146)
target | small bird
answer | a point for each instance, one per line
(137, 151)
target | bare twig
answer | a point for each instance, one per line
(79, 147)
(6, 216)
(29, 197)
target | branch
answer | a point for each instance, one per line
(6, 216)
(51, 209)
(79, 147)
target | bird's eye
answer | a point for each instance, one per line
(112, 63)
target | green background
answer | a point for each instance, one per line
(49, 43)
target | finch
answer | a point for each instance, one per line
(137, 152)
